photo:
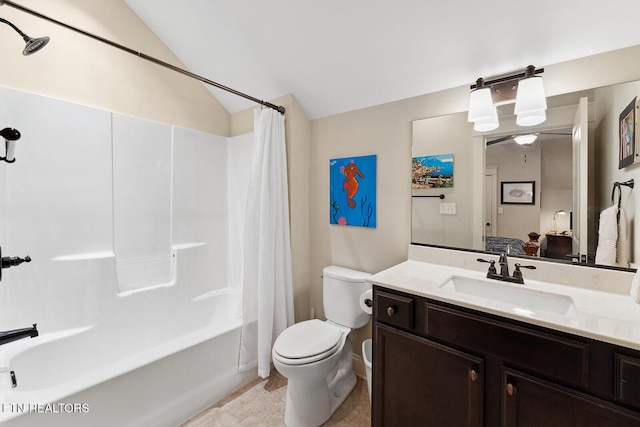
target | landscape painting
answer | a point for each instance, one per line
(432, 171)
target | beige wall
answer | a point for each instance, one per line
(449, 134)
(517, 221)
(611, 102)
(556, 183)
(75, 68)
(385, 130)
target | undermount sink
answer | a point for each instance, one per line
(516, 298)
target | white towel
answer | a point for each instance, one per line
(607, 237)
(622, 246)
(635, 287)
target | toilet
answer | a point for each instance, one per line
(315, 356)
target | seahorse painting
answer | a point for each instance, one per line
(351, 184)
(352, 195)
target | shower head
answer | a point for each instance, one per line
(33, 45)
(10, 134)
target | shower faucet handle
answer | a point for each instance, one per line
(8, 261)
(13, 261)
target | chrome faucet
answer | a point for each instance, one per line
(18, 334)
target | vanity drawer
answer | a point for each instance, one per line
(627, 380)
(394, 310)
(556, 357)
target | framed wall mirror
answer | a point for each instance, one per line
(559, 179)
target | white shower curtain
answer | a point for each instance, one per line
(267, 282)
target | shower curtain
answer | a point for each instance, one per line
(267, 281)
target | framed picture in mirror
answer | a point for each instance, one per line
(628, 135)
(518, 193)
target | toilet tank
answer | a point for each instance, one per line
(341, 290)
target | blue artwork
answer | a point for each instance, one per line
(352, 192)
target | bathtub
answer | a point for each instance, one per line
(160, 356)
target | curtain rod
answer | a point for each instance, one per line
(278, 108)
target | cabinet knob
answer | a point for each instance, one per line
(391, 310)
(511, 389)
(473, 375)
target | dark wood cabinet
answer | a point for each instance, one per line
(531, 402)
(437, 364)
(425, 384)
(558, 246)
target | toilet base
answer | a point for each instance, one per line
(311, 403)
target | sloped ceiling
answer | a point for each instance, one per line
(337, 56)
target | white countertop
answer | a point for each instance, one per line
(604, 316)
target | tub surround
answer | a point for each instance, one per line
(96, 321)
(605, 311)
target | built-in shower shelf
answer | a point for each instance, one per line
(182, 246)
(85, 257)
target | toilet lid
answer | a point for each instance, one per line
(306, 339)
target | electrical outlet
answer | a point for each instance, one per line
(447, 208)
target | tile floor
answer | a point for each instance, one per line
(261, 404)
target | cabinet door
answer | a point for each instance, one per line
(421, 383)
(531, 402)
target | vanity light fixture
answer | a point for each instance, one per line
(531, 102)
(482, 112)
(525, 139)
(525, 89)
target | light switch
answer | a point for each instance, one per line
(447, 208)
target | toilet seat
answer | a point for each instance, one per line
(307, 342)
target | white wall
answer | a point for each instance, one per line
(142, 205)
(63, 204)
(57, 198)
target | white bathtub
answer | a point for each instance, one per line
(179, 352)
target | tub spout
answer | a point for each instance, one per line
(18, 334)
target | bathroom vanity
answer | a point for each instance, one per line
(558, 356)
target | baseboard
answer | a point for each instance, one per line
(358, 367)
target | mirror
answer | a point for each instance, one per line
(499, 192)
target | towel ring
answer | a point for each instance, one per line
(616, 185)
